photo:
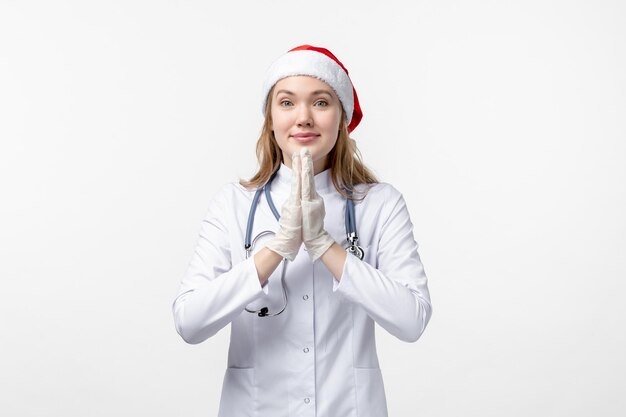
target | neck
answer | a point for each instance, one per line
(318, 166)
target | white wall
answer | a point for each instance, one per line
(502, 122)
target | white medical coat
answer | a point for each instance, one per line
(317, 358)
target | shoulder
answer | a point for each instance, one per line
(232, 191)
(386, 201)
(381, 192)
(226, 196)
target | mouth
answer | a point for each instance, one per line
(304, 138)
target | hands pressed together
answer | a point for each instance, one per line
(302, 215)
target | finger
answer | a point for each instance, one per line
(296, 181)
(308, 182)
(295, 163)
(311, 176)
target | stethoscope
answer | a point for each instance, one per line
(351, 234)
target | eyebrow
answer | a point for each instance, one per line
(313, 93)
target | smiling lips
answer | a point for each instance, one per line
(304, 137)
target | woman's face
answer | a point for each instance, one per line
(305, 105)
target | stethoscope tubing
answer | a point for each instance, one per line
(350, 224)
(350, 219)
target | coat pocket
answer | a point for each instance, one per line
(370, 393)
(238, 393)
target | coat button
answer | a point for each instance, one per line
(305, 350)
(306, 401)
(305, 297)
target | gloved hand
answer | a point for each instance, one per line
(288, 239)
(316, 238)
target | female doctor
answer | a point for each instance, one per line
(302, 339)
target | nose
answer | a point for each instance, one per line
(305, 117)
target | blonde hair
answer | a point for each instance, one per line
(346, 167)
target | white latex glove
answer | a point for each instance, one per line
(288, 239)
(316, 238)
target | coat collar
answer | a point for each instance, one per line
(282, 181)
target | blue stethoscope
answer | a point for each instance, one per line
(351, 234)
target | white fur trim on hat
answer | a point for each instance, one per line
(315, 64)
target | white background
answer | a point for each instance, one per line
(501, 122)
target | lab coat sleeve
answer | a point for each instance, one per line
(213, 291)
(395, 293)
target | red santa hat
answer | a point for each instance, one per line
(322, 64)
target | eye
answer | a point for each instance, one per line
(284, 103)
(324, 103)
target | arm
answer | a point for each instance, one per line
(266, 262)
(395, 294)
(213, 291)
(334, 259)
